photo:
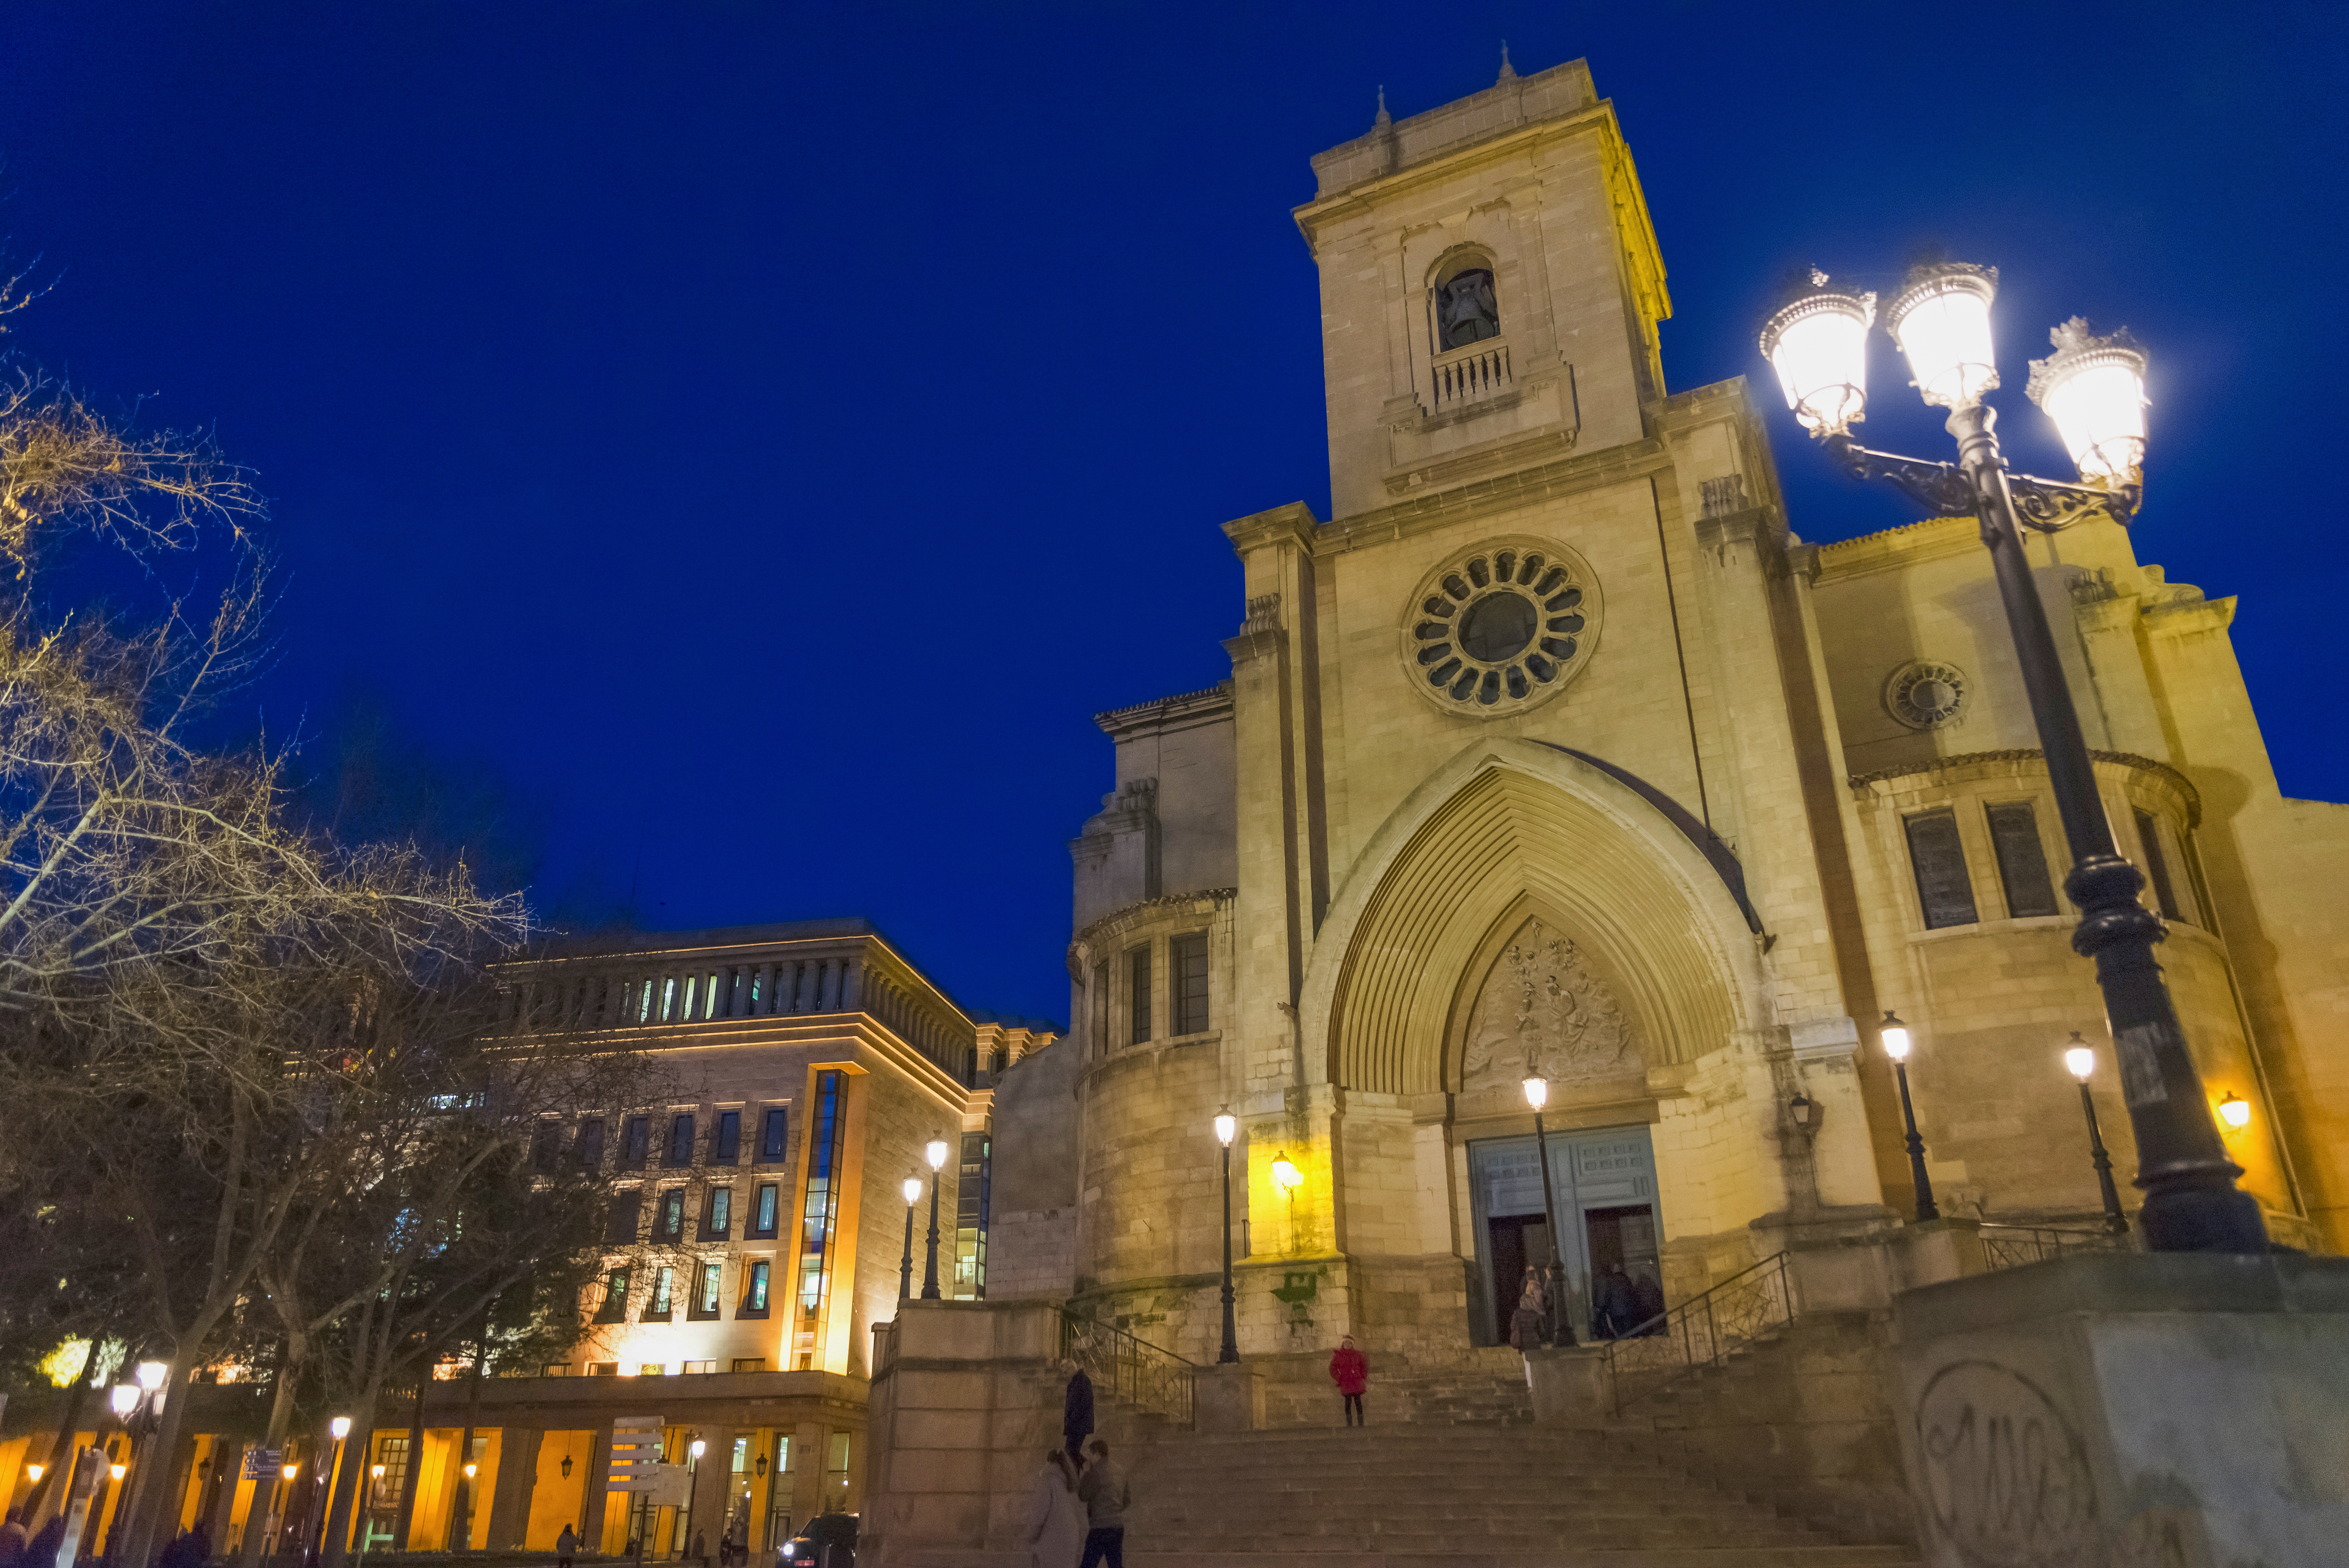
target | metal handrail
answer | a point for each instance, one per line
(1132, 1369)
(1703, 1331)
(2008, 1246)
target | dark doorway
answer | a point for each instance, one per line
(1516, 1240)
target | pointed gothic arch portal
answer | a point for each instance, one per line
(1510, 833)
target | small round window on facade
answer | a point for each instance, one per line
(1466, 311)
(1497, 627)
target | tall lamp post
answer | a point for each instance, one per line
(936, 1155)
(1228, 1127)
(1537, 1096)
(2080, 1059)
(1894, 1034)
(913, 1191)
(2094, 388)
(322, 1496)
(694, 1450)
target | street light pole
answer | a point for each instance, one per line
(2082, 1060)
(1226, 1127)
(1894, 1034)
(2093, 389)
(913, 1190)
(936, 1155)
(1537, 1096)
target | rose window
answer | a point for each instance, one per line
(1926, 694)
(1501, 627)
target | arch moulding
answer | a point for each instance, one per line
(1508, 825)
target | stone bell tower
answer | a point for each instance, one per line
(1482, 309)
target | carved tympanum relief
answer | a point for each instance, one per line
(1544, 1008)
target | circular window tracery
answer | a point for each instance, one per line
(1926, 694)
(1501, 627)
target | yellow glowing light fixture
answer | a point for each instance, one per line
(1536, 1090)
(696, 1448)
(2094, 388)
(2079, 1057)
(118, 1471)
(1895, 1036)
(2235, 1112)
(291, 1470)
(1228, 1127)
(1941, 319)
(1818, 345)
(935, 1152)
(125, 1398)
(151, 1374)
(912, 1188)
(469, 1469)
(36, 1471)
(341, 1426)
(1286, 1173)
(376, 1471)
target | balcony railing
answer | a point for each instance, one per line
(1463, 375)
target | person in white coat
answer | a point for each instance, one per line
(1056, 1519)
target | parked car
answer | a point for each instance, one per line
(827, 1540)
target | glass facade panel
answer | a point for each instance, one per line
(818, 1219)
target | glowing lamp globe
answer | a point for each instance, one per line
(2094, 388)
(935, 1153)
(36, 1471)
(1286, 1172)
(1818, 344)
(376, 1471)
(1536, 1090)
(1895, 1036)
(913, 1190)
(118, 1471)
(697, 1448)
(1228, 1127)
(293, 1471)
(151, 1374)
(2235, 1112)
(125, 1397)
(341, 1426)
(1941, 319)
(2079, 1059)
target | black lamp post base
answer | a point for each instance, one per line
(2203, 1217)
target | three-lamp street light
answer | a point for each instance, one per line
(912, 1187)
(1228, 1127)
(1895, 1036)
(2080, 1061)
(2093, 389)
(935, 1153)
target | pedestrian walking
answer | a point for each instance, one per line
(1077, 1414)
(1615, 1306)
(1056, 1519)
(1351, 1373)
(1647, 1291)
(1106, 1496)
(567, 1546)
(702, 1547)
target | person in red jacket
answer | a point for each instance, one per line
(1352, 1375)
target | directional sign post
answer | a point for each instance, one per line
(636, 1466)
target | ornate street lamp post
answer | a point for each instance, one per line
(1894, 1034)
(2094, 388)
(1226, 1127)
(935, 1153)
(913, 1191)
(2080, 1058)
(1561, 1332)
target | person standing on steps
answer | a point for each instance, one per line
(1105, 1495)
(1077, 1413)
(1533, 1307)
(1056, 1519)
(1616, 1311)
(1351, 1373)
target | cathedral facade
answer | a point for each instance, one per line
(1556, 753)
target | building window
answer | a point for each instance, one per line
(635, 1143)
(2022, 861)
(748, 1364)
(546, 1145)
(836, 1474)
(705, 1290)
(680, 1142)
(588, 1149)
(820, 1217)
(602, 1369)
(664, 1301)
(1943, 889)
(972, 1197)
(773, 1136)
(767, 1210)
(627, 1209)
(1099, 1042)
(717, 1214)
(1137, 965)
(700, 1366)
(729, 1139)
(2157, 866)
(614, 1308)
(669, 1225)
(391, 1461)
(754, 1290)
(1186, 974)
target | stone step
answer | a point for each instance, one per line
(1664, 1557)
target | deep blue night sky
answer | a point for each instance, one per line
(755, 438)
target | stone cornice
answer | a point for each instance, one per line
(1184, 709)
(1485, 497)
(1985, 763)
(1200, 901)
(1292, 524)
(1318, 215)
(1931, 540)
